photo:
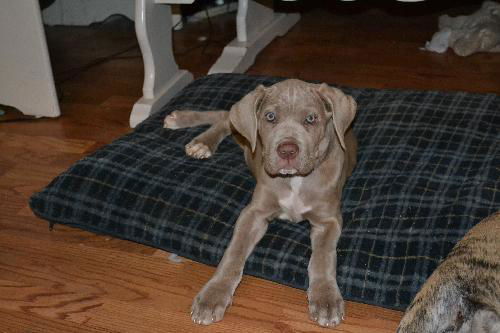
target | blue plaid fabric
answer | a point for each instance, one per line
(428, 170)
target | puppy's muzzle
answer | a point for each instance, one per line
(288, 152)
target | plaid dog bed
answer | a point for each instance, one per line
(428, 170)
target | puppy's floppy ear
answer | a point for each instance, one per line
(342, 107)
(243, 115)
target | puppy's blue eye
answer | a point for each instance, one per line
(311, 118)
(270, 116)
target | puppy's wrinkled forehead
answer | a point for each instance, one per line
(291, 96)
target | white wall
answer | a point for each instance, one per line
(85, 12)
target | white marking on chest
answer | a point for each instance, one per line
(292, 206)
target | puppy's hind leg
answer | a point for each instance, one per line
(205, 144)
(183, 119)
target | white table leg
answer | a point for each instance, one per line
(162, 77)
(26, 80)
(257, 26)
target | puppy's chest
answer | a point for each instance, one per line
(292, 203)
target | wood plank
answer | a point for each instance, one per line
(82, 284)
(16, 321)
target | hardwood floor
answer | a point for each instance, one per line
(69, 280)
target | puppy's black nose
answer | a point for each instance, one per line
(288, 150)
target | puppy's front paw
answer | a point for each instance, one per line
(326, 305)
(198, 150)
(210, 304)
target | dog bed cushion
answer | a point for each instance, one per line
(428, 170)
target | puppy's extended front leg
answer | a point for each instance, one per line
(205, 144)
(211, 302)
(326, 305)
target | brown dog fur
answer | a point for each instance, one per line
(463, 293)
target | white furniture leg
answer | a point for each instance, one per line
(256, 26)
(162, 77)
(26, 80)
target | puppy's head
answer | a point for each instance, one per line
(296, 123)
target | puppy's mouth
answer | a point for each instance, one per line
(286, 172)
(283, 169)
(287, 167)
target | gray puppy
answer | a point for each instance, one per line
(298, 146)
